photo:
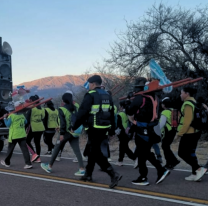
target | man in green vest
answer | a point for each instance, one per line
(188, 135)
(97, 109)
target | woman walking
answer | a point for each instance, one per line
(35, 118)
(50, 123)
(65, 113)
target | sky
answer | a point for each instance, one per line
(66, 37)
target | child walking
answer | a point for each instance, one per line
(16, 123)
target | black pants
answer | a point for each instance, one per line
(23, 146)
(144, 153)
(124, 147)
(48, 139)
(94, 153)
(166, 142)
(187, 149)
(37, 137)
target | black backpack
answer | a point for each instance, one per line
(200, 121)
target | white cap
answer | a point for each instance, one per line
(70, 92)
(165, 98)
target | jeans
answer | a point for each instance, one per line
(74, 142)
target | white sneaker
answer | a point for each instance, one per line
(58, 158)
(191, 178)
(28, 166)
(75, 160)
(119, 164)
(109, 160)
(200, 173)
(3, 163)
(136, 163)
(85, 159)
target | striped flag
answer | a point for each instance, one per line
(86, 85)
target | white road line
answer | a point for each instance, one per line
(105, 189)
(68, 158)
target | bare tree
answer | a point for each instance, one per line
(176, 38)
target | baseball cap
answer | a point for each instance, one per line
(95, 78)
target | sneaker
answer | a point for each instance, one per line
(28, 166)
(140, 181)
(75, 160)
(119, 163)
(46, 167)
(80, 173)
(85, 159)
(48, 153)
(86, 177)
(200, 173)
(136, 163)
(38, 160)
(34, 157)
(162, 176)
(169, 167)
(3, 163)
(109, 160)
(58, 158)
(192, 177)
(114, 181)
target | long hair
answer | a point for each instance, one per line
(68, 100)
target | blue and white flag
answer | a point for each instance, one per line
(157, 73)
(86, 85)
(22, 86)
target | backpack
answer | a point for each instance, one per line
(153, 128)
(200, 121)
(73, 118)
(174, 118)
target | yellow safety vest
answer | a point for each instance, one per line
(37, 115)
(124, 119)
(182, 114)
(52, 118)
(17, 127)
(167, 113)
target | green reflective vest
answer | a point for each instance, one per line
(52, 118)
(67, 115)
(37, 115)
(124, 119)
(17, 127)
(95, 117)
(167, 113)
(115, 109)
(182, 113)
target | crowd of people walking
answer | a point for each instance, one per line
(137, 118)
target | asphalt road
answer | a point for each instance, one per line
(60, 188)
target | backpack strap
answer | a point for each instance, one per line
(155, 103)
(143, 103)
